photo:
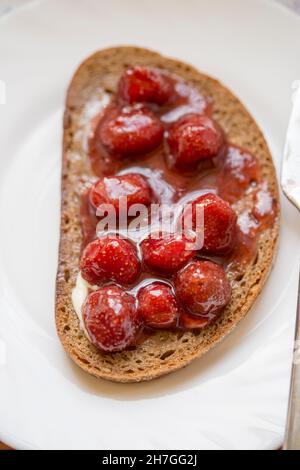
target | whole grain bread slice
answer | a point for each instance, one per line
(162, 352)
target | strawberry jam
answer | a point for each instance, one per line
(153, 119)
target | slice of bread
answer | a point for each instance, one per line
(162, 352)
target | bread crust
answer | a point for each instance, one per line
(162, 352)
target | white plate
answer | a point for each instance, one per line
(236, 396)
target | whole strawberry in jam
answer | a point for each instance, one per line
(166, 252)
(110, 258)
(110, 318)
(132, 188)
(193, 138)
(157, 305)
(145, 84)
(203, 288)
(220, 222)
(130, 131)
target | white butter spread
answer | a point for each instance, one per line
(92, 108)
(79, 294)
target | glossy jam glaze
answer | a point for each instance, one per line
(234, 175)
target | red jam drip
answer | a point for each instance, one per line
(234, 175)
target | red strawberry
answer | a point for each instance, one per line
(132, 187)
(157, 305)
(192, 138)
(130, 131)
(165, 252)
(203, 288)
(147, 84)
(110, 259)
(110, 318)
(220, 222)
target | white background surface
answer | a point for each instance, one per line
(8, 5)
(236, 397)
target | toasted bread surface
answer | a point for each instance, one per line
(164, 351)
